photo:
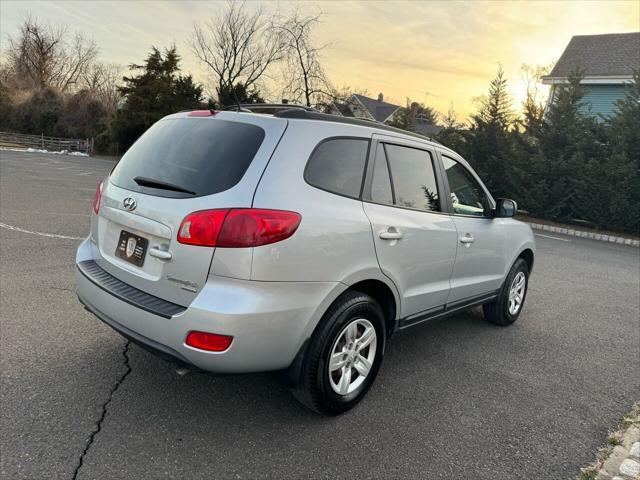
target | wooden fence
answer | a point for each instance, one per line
(40, 142)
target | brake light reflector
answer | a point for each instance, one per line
(238, 227)
(211, 342)
(97, 198)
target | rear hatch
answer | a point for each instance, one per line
(182, 164)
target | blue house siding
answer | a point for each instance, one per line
(601, 99)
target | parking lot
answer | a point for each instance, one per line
(455, 398)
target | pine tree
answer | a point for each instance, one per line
(158, 90)
(622, 167)
(489, 141)
(625, 124)
(239, 94)
(453, 133)
(495, 108)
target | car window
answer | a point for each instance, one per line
(380, 181)
(467, 195)
(337, 165)
(413, 177)
(202, 156)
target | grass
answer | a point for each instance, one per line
(613, 440)
(588, 473)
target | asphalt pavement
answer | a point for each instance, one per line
(455, 398)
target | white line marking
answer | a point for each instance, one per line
(52, 235)
(554, 238)
(85, 173)
(58, 213)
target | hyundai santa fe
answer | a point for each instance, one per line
(295, 241)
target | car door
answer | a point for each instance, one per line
(480, 261)
(415, 241)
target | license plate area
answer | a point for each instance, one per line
(132, 248)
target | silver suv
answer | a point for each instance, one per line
(298, 241)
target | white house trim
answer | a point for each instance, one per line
(355, 97)
(608, 80)
(391, 116)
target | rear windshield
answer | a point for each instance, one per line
(198, 156)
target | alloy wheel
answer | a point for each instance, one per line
(352, 356)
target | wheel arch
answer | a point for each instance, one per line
(385, 297)
(528, 256)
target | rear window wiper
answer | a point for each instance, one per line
(150, 182)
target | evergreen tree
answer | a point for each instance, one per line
(622, 166)
(625, 124)
(532, 117)
(407, 117)
(403, 118)
(453, 135)
(239, 94)
(158, 90)
(572, 146)
(489, 145)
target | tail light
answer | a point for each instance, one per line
(211, 342)
(97, 198)
(237, 227)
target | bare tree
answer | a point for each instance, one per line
(44, 55)
(531, 77)
(533, 105)
(305, 79)
(103, 80)
(237, 45)
(340, 98)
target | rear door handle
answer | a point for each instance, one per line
(162, 254)
(391, 233)
(467, 238)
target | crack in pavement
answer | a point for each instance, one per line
(103, 414)
(60, 288)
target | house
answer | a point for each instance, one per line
(360, 106)
(606, 63)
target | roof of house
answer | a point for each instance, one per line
(344, 109)
(379, 110)
(426, 129)
(611, 54)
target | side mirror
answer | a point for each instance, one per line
(506, 207)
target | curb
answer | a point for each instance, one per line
(583, 234)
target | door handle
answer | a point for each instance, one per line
(162, 254)
(467, 238)
(391, 233)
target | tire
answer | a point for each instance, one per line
(351, 316)
(498, 311)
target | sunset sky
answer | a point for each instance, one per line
(441, 52)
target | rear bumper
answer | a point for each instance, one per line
(148, 344)
(268, 320)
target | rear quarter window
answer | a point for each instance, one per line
(337, 165)
(204, 156)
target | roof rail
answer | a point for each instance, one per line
(363, 122)
(250, 107)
